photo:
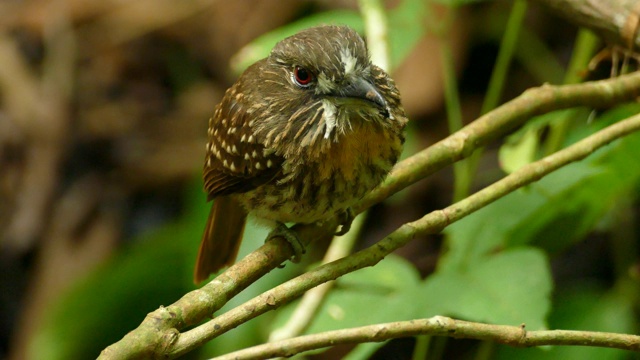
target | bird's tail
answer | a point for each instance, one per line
(221, 239)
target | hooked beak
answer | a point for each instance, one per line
(362, 89)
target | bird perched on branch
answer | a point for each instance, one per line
(301, 137)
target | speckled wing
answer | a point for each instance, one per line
(235, 162)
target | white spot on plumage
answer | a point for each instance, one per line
(234, 149)
(329, 116)
(246, 156)
(258, 165)
(348, 61)
(233, 167)
(250, 139)
(254, 154)
(229, 149)
(390, 113)
(269, 163)
(243, 138)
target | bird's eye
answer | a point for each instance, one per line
(302, 76)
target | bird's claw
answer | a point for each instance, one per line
(281, 230)
(345, 218)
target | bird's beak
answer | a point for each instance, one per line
(362, 89)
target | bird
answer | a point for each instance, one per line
(300, 137)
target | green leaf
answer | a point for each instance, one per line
(583, 308)
(511, 287)
(556, 211)
(517, 152)
(392, 274)
(344, 306)
(522, 147)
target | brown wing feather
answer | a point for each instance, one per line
(221, 239)
(235, 163)
(235, 160)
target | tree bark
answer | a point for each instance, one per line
(616, 21)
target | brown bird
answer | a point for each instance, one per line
(300, 137)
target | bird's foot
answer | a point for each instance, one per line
(345, 218)
(281, 230)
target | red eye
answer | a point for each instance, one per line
(302, 76)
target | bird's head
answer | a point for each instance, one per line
(319, 82)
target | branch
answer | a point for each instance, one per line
(437, 326)
(431, 223)
(614, 20)
(159, 332)
(313, 299)
(501, 121)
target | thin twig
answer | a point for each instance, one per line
(501, 121)
(437, 326)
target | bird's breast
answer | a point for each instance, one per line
(314, 186)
